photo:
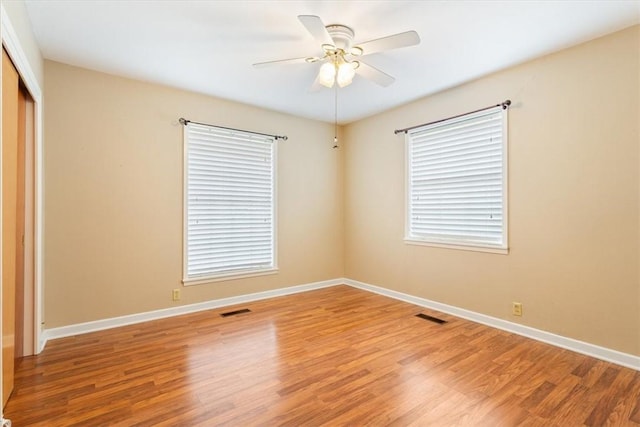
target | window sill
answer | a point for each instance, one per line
(488, 249)
(226, 277)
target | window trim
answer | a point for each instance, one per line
(225, 276)
(502, 248)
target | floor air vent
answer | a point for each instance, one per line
(431, 318)
(233, 313)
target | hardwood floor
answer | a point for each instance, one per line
(335, 356)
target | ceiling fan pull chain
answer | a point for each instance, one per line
(335, 119)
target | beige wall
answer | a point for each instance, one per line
(113, 173)
(573, 198)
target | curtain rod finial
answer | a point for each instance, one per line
(505, 104)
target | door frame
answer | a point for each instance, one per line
(12, 45)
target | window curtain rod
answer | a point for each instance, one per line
(184, 122)
(504, 106)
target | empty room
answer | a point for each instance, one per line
(313, 213)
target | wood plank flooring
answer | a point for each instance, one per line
(334, 356)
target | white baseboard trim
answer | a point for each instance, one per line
(114, 322)
(613, 356)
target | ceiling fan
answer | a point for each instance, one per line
(341, 57)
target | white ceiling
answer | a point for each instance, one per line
(209, 46)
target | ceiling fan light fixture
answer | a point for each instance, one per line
(327, 75)
(356, 51)
(346, 71)
(328, 48)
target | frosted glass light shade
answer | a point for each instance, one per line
(327, 74)
(346, 71)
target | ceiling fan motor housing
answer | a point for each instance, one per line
(342, 36)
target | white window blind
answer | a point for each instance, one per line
(229, 202)
(457, 181)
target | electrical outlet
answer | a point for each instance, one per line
(176, 294)
(516, 309)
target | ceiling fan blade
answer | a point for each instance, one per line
(316, 28)
(316, 86)
(375, 75)
(396, 41)
(281, 61)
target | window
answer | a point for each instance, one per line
(229, 203)
(457, 182)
